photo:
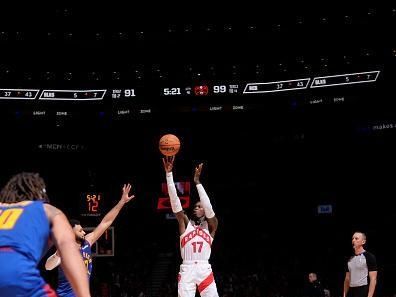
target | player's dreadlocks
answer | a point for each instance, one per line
(24, 186)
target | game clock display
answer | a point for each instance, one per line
(91, 204)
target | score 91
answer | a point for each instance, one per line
(129, 93)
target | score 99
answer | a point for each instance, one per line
(219, 89)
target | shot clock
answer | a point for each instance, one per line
(91, 204)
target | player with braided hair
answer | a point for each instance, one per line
(27, 224)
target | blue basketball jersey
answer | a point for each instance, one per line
(24, 234)
(64, 288)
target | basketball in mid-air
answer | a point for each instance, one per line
(169, 145)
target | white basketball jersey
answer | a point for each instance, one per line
(196, 242)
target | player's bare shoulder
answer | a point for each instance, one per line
(51, 211)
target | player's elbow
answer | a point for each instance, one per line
(209, 212)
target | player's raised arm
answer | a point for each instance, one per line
(205, 201)
(110, 216)
(177, 209)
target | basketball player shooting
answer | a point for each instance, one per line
(196, 237)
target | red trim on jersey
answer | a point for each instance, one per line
(206, 282)
(178, 278)
(49, 291)
(6, 249)
(197, 232)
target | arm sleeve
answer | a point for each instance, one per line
(205, 202)
(346, 268)
(174, 199)
(371, 262)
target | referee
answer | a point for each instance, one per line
(361, 270)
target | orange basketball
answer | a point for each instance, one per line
(169, 145)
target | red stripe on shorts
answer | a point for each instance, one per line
(206, 282)
(48, 291)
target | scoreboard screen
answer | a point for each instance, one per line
(211, 89)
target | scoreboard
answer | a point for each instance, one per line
(198, 90)
(64, 106)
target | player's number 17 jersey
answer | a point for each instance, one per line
(196, 243)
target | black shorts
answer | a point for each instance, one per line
(361, 291)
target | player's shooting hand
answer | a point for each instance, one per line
(168, 163)
(125, 193)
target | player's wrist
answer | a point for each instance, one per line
(122, 202)
(169, 178)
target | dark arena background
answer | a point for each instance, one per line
(292, 112)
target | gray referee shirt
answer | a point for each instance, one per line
(359, 267)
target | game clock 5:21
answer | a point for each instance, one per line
(171, 91)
